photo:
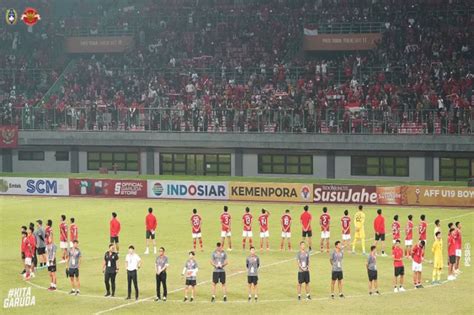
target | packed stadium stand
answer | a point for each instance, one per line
(240, 66)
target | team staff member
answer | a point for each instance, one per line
(51, 264)
(305, 220)
(336, 262)
(252, 263)
(359, 221)
(73, 261)
(372, 270)
(302, 259)
(110, 269)
(379, 228)
(218, 261)
(190, 270)
(133, 262)
(114, 231)
(150, 225)
(161, 264)
(40, 243)
(399, 269)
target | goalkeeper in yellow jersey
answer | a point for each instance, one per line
(437, 250)
(359, 220)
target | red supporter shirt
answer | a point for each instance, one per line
(346, 225)
(63, 232)
(306, 221)
(451, 245)
(396, 230)
(225, 222)
(286, 223)
(196, 223)
(150, 222)
(263, 219)
(422, 230)
(324, 221)
(417, 254)
(379, 224)
(73, 233)
(48, 233)
(409, 231)
(397, 254)
(32, 242)
(247, 220)
(114, 227)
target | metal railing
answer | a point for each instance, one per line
(361, 121)
(351, 28)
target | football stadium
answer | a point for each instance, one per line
(236, 156)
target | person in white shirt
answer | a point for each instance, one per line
(133, 262)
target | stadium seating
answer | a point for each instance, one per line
(240, 68)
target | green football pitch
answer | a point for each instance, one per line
(278, 273)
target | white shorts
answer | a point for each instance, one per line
(346, 237)
(394, 241)
(325, 234)
(197, 235)
(458, 252)
(264, 234)
(225, 234)
(408, 242)
(416, 267)
(247, 234)
(63, 245)
(285, 234)
(28, 261)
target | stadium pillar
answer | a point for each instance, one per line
(238, 166)
(429, 166)
(331, 165)
(150, 161)
(74, 160)
(7, 161)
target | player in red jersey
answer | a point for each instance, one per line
(63, 243)
(324, 222)
(395, 229)
(226, 228)
(27, 253)
(409, 236)
(32, 246)
(346, 229)
(305, 220)
(451, 253)
(247, 229)
(48, 232)
(286, 229)
(264, 233)
(458, 247)
(150, 230)
(22, 253)
(73, 232)
(417, 255)
(399, 269)
(422, 227)
(196, 222)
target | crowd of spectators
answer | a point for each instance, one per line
(231, 66)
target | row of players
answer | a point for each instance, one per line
(41, 242)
